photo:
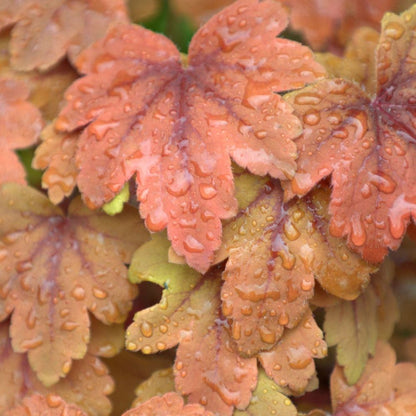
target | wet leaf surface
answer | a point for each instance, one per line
(44, 32)
(54, 268)
(87, 384)
(274, 252)
(51, 405)
(207, 369)
(366, 143)
(384, 387)
(21, 123)
(170, 404)
(176, 128)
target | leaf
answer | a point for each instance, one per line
(384, 388)
(275, 251)
(116, 205)
(86, 385)
(290, 363)
(51, 405)
(170, 404)
(46, 89)
(370, 317)
(43, 33)
(56, 154)
(366, 144)
(159, 383)
(189, 314)
(268, 399)
(21, 124)
(54, 268)
(325, 22)
(176, 128)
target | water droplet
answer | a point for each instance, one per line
(53, 400)
(312, 117)
(394, 30)
(146, 329)
(147, 349)
(69, 326)
(261, 134)
(236, 331)
(100, 128)
(30, 344)
(298, 357)
(157, 220)
(283, 319)
(383, 182)
(247, 310)
(227, 308)
(192, 245)
(99, 293)
(365, 191)
(291, 232)
(358, 234)
(266, 335)
(161, 346)
(131, 346)
(207, 191)
(78, 293)
(163, 329)
(307, 98)
(306, 285)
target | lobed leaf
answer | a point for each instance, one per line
(56, 154)
(370, 317)
(169, 404)
(189, 314)
(384, 387)
(44, 32)
(21, 124)
(176, 128)
(275, 251)
(51, 405)
(54, 268)
(366, 143)
(87, 384)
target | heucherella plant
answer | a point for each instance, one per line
(207, 208)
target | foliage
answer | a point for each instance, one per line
(216, 207)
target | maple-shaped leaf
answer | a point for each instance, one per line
(324, 22)
(189, 314)
(366, 141)
(268, 399)
(176, 128)
(384, 388)
(169, 404)
(56, 267)
(56, 154)
(370, 317)
(21, 123)
(44, 32)
(275, 251)
(87, 384)
(50, 405)
(159, 383)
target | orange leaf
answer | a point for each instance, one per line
(51, 405)
(189, 314)
(56, 154)
(367, 143)
(384, 388)
(176, 128)
(44, 32)
(275, 251)
(87, 384)
(290, 363)
(20, 123)
(326, 22)
(170, 404)
(54, 268)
